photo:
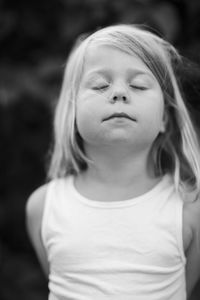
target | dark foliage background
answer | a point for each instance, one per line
(35, 39)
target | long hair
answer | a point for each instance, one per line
(176, 151)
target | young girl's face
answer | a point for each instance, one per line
(120, 102)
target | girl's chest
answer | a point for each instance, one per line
(111, 238)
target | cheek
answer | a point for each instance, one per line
(85, 117)
(87, 120)
(153, 114)
(89, 110)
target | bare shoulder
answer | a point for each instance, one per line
(35, 203)
(191, 221)
(191, 213)
(191, 231)
(34, 215)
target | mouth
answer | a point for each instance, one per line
(119, 115)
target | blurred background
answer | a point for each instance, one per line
(35, 39)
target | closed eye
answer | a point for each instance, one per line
(138, 87)
(101, 87)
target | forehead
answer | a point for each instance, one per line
(101, 57)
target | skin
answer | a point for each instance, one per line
(111, 74)
(114, 82)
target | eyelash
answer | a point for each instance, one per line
(142, 88)
(97, 88)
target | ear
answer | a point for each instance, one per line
(162, 129)
(164, 122)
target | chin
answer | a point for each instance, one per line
(118, 140)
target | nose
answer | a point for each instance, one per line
(120, 97)
(119, 94)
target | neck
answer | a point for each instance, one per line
(118, 166)
(115, 175)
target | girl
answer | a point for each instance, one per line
(120, 217)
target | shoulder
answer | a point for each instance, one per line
(191, 221)
(34, 215)
(35, 204)
(191, 231)
(191, 211)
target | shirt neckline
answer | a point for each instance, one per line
(121, 203)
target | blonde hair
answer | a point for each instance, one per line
(176, 151)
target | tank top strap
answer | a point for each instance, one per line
(55, 189)
(46, 208)
(179, 226)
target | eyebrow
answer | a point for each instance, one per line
(130, 72)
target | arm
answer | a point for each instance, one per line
(192, 223)
(34, 213)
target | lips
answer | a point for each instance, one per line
(119, 115)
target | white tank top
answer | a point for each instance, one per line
(121, 250)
